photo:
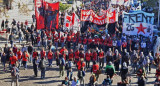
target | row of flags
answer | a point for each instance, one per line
(71, 22)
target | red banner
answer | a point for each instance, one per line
(52, 15)
(39, 12)
(89, 15)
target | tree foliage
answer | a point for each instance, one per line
(63, 7)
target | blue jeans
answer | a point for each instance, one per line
(50, 62)
(25, 64)
(20, 39)
(56, 44)
(85, 48)
(11, 42)
(31, 57)
(45, 44)
(19, 60)
(62, 44)
(70, 74)
(43, 73)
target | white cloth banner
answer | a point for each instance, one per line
(120, 2)
(138, 23)
(113, 1)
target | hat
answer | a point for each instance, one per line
(110, 63)
(82, 59)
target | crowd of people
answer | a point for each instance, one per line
(85, 51)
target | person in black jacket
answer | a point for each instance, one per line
(35, 66)
(30, 51)
(142, 81)
(124, 72)
(11, 39)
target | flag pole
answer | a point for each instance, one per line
(35, 12)
(159, 14)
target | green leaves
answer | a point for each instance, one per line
(63, 7)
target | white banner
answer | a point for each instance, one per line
(135, 29)
(138, 23)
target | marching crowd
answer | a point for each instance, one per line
(101, 53)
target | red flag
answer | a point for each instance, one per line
(39, 12)
(52, 15)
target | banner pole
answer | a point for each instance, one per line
(159, 14)
(35, 12)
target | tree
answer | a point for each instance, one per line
(63, 7)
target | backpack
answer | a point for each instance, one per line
(13, 71)
(43, 64)
(68, 66)
(80, 74)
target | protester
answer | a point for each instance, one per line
(75, 82)
(66, 82)
(95, 70)
(3, 61)
(42, 66)
(15, 75)
(50, 58)
(107, 81)
(35, 66)
(92, 80)
(124, 72)
(62, 64)
(25, 58)
(110, 70)
(69, 66)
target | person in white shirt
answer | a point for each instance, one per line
(143, 46)
(75, 82)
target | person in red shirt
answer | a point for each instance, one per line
(79, 41)
(94, 55)
(76, 56)
(95, 69)
(19, 55)
(81, 54)
(85, 43)
(105, 43)
(71, 55)
(15, 49)
(110, 44)
(43, 53)
(88, 58)
(81, 65)
(35, 54)
(124, 45)
(89, 42)
(101, 59)
(62, 41)
(50, 58)
(56, 41)
(95, 42)
(68, 41)
(101, 43)
(74, 40)
(13, 59)
(25, 57)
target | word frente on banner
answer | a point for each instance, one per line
(138, 23)
(90, 15)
